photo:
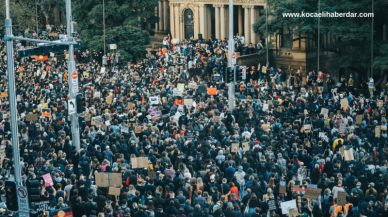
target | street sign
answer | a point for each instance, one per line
(234, 58)
(74, 76)
(71, 106)
(74, 79)
(244, 72)
(23, 199)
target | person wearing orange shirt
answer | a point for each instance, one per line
(233, 189)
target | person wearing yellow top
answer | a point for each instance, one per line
(335, 143)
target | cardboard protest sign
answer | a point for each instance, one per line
(48, 180)
(377, 131)
(235, 147)
(32, 117)
(138, 129)
(108, 179)
(286, 206)
(324, 111)
(344, 102)
(282, 186)
(245, 146)
(151, 174)
(216, 119)
(359, 119)
(341, 198)
(109, 100)
(114, 191)
(312, 193)
(181, 86)
(348, 155)
(4, 94)
(342, 151)
(139, 162)
(293, 211)
(212, 91)
(295, 188)
(130, 105)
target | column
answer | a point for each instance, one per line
(161, 25)
(226, 21)
(176, 17)
(223, 23)
(156, 24)
(165, 15)
(196, 21)
(208, 24)
(240, 18)
(202, 20)
(253, 20)
(217, 11)
(258, 38)
(172, 26)
(247, 30)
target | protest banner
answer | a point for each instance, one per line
(130, 105)
(212, 91)
(181, 87)
(271, 205)
(46, 112)
(138, 129)
(282, 186)
(193, 85)
(108, 179)
(216, 119)
(43, 206)
(342, 127)
(154, 100)
(109, 100)
(97, 120)
(139, 162)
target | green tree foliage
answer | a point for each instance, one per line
(352, 33)
(46, 7)
(125, 21)
(22, 15)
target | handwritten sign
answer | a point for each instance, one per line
(341, 198)
(48, 180)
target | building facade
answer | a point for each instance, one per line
(208, 18)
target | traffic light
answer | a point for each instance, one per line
(34, 190)
(238, 74)
(229, 75)
(80, 101)
(11, 196)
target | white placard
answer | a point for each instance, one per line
(113, 46)
(265, 107)
(288, 205)
(177, 92)
(154, 100)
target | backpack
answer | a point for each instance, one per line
(119, 214)
(277, 128)
(106, 154)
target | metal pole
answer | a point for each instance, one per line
(266, 28)
(36, 15)
(231, 51)
(103, 17)
(319, 32)
(71, 69)
(371, 53)
(12, 97)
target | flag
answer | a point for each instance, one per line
(41, 58)
(46, 112)
(177, 102)
(142, 99)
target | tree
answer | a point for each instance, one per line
(125, 21)
(22, 15)
(352, 34)
(47, 7)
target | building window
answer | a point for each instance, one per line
(287, 38)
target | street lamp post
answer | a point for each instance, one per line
(319, 33)
(371, 53)
(103, 17)
(266, 28)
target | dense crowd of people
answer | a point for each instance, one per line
(288, 135)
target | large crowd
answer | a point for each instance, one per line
(293, 145)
